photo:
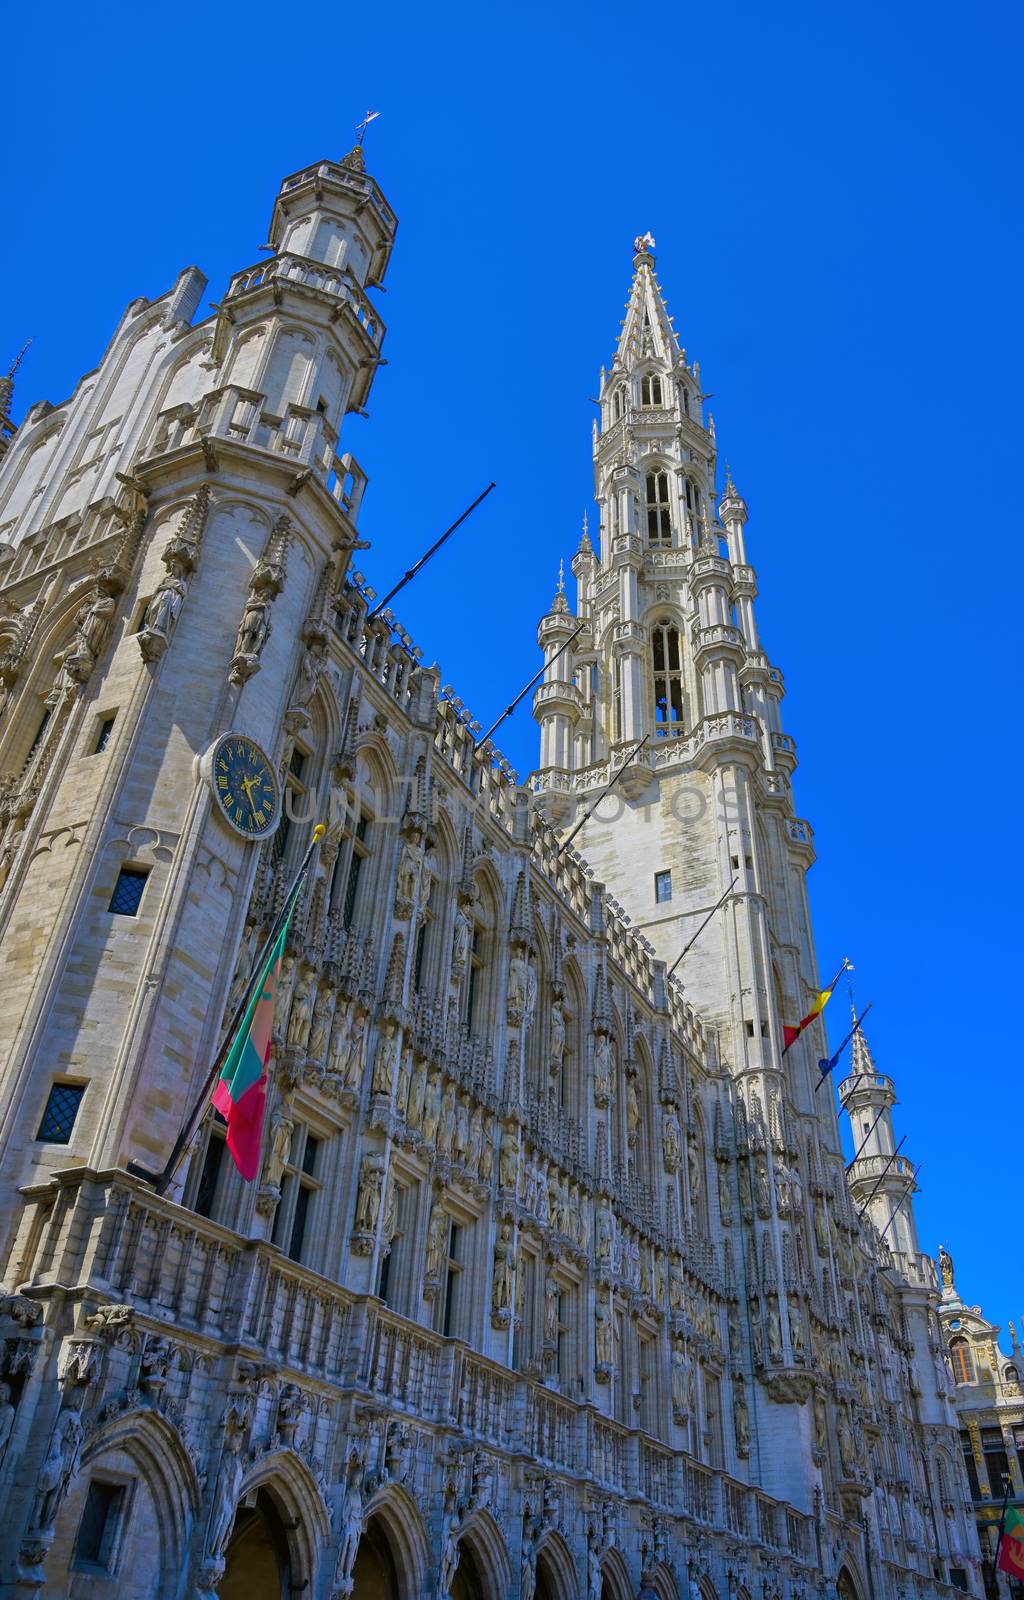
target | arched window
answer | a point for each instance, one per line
(963, 1361)
(684, 391)
(350, 887)
(618, 403)
(666, 659)
(659, 516)
(650, 389)
(693, 507)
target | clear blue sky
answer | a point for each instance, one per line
(835, 194)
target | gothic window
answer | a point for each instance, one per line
(204, 1190)
(963, 1361)
(659, 516)
(350, 885)
(618, 403)
(390, 1274)
(650, 389)
(684, 391)
(300, 1186)
(617, 699)
(712, 1420)
(449, 1298)
(693, 509)
(295, 807)
(666, 659)
(478, 983)
(102, 1515)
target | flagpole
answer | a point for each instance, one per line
(424, 559)
(512, 705)
(867, 1136)
(195, 1116)
(999, 1536)
(606, 790)
(881, 1175)
(721, 899)
(826, 1067)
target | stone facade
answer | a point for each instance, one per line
(551, 1283)
(990, 1408)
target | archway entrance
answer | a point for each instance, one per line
(375, 1573)
(845, 1586)
(469, 1581)
(548, 1587)
(258, 1563)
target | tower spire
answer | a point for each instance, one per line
(7, 426)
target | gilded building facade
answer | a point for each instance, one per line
(990, 1408)
(552, 1283)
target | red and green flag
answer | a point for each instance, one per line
(1011, 1544)
(791, 1035)
(240, 1093)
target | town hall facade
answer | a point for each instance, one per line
(553, 1281)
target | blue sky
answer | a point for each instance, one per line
(835, 197)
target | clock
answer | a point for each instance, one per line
(245, 786)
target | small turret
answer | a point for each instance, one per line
(880, 1178)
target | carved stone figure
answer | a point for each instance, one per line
(762, 1197)
(283, 997)
(556, 1048)
(603, 1335)
(632, 1110)
(820, 1225)
(741, 1420)
(403, 1083)
(389, 1220)
(521, 999)
(680, 1396)
(773, 1331)
(417, 1094)
(446, 1125)
(225, 1492)
(438, 1231)
(384, 1059)
(310, 669)
(282, 1129)
(410, 863)
(486, 1167)
(449, 1558)
(603, 1069)
(695, 1164)
(371, 1181)
(432, 1107)
(504, 1272)
(796, 1329)
(350, 1528)
(60, 1462)
(945, 1267)
(338, 1053)
(724, 1195)
(460, 1140)
(301, 1014)
(551, 1294)
(508, 1159)
(820, 1422)
(161, 615)
(476, 1139)
(323, 1016)
(462, 942)
(354, 1051)
(671, 1139)
(847, 1447)
(254, 628)
(605, 1236)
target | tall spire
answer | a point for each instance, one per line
(647, 332)
(7, 426)
(862, 1059)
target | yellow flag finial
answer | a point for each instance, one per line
(319, 831)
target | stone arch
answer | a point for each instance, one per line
(143, 1452)
(556, 1569)
(395, 1563)
(615, 1580)
(289, 1521)
(849, 1587)
(484, 1571)
(662, 1584)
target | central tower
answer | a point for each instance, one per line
(669, 653)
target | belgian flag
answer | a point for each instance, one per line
(791, 1035)
(1011, 1544)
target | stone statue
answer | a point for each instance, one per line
(161, 615)
(476, 1139)
(521, 999)
(310, 668)
(741, 1420)
(820, 1422)
(551, 1295)
(694, 1165)
(671, 1139)
(384, 1059)
(487, 1151)
(402, 1086)
(417, 1094)
(323, 1016)
(796, 1329)
(460, 1142)
(449, 1557)
(254, 628)
(282, 1129)
(301, 1013)
(371, 1181)
(680, 1401)
(462, 942)
(508, 1159)
(60, 1462)
(632, 1110)
(847, 1448)
(603, 1069)
(432, 1108)
(773, 1331)
(945, 1267)
(820, 1225)
(595, 1579)
(605, 1235)
(410, 861)
(283, 997)
(504, 1271)
(354, 1050)
(437, 1240)
(762, 1196)
(556, 1049)
(350, 1527)
(724, 1196)
(603, 1336)
(446, 1125)
(338, 1053)
(225, 1492)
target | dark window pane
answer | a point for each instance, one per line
(309, 1155)
(99, 1523)
(61, 1111)
(128, 891)
(421, 942)
(663, 886)
(207, 1190)
(297, 762)
(299, 1220)
(103, 737)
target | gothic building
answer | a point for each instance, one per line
(552, 1283)
(990, 1406)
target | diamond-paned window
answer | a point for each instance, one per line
(128, 891)
(61, 1111)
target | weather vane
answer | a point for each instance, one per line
(361, 127)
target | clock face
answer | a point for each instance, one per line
(245, 786)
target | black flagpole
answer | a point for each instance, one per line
(609, 786)
(870, 1131)
(432, 551)
(721, 899)
(830, 1061)
(881, 1175)
(195, 1116)
(903, 1200)
(513, 703)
